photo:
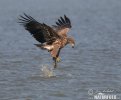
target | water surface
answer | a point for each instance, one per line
(95, 62)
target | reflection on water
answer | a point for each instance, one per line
(47, 72)
(95, 62)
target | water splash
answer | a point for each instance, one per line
(47, 71)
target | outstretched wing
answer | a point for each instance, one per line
(62, 26)
(41, 32)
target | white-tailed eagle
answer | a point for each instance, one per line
(52, 38)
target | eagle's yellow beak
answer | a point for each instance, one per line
(72, 45)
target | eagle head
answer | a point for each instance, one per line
(71, 41)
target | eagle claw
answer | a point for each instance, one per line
(58, 59)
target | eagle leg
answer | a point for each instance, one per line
(55, 62)
(57, 56)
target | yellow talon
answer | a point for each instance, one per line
(58, 59)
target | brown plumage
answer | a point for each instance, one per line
(52, 38)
